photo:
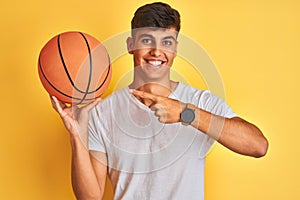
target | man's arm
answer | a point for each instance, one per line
(236, 134)
(88, 173)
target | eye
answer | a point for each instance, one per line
(147, 41)
(167, 42)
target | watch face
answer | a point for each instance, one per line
(187, 116)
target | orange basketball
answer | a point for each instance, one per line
(74, 67)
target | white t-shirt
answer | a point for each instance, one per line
(148, 159)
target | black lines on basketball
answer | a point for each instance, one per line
(72, 66)
(65, 66)
(91, 68)
(55, 88)
(107, 74)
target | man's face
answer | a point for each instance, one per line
(153, 51)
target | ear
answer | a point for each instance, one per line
(130, 45)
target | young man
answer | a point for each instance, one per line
(151, 138)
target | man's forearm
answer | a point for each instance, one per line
(84, 181)
(236, 134)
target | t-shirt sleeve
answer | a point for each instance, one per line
(95, 140)
(217, 106)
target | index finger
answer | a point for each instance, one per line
(93, 104)
(144, 95)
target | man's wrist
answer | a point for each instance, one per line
(187, 115)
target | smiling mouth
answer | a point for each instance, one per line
(155, 63)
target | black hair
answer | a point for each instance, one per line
(158, 14)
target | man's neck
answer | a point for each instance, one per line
(156, 88)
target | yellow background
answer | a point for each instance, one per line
(254, 43)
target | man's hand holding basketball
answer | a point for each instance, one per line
(87, 172)
(74, 118)
(166, 109)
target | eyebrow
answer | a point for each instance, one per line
(151, 36)
(169, 37)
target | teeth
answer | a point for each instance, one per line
(155, 63)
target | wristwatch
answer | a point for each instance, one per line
(187, 116)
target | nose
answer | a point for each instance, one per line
(155, 51)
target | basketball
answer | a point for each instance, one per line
(74, 67)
